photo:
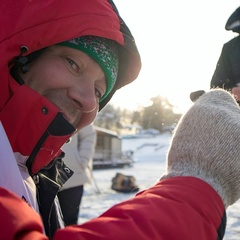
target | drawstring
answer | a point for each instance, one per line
(22, 60)
(19, 62)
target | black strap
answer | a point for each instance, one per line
(222, 227)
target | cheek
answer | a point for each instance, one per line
(44, 77)
(54, 77)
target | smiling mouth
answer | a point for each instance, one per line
(69, 117)
(73, 116)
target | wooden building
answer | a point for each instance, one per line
(108, 151)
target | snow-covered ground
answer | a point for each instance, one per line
(150, 159)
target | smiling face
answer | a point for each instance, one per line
(71, 80)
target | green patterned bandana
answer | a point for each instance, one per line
(103, 51)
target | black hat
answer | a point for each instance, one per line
(233, 22)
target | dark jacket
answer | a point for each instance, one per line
(227, 72)
(49, 181)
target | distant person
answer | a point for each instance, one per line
(227, 72)
(78, 157)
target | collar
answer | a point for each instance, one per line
(34, 126)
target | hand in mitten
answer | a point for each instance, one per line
(206, 144)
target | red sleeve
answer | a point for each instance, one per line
(17, 219)
(176, 208)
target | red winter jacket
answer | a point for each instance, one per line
(177, 208)
(181, 208)
(36, 25)
(34, 127)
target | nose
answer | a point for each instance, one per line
(84, 98)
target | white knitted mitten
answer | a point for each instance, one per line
(206, 144)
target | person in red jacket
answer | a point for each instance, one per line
(61, 62)
(188, 202)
